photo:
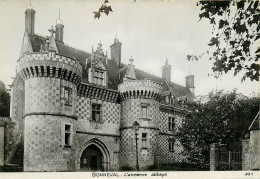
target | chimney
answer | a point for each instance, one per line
(116, 51)
(190, 83)
(59, 30)
(166, 71)
(30, 19)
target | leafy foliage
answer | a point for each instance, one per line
(235, 31)
(4, 101)
(103, 9)
(225, 118)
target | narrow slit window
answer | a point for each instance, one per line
(67, 134)
(144, 140)
(171, 144)
(67, 96)
(144, 112)
(171, 123)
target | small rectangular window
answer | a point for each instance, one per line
(96, 112)
(67, 95)
(171, 123)
(98, 77)
(171, 144)
(144, 112)
(144, 140)
(67, 134)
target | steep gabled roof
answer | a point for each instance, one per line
(115, 74)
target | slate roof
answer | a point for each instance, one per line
(256, 123)
(115, 75)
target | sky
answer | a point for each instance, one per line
(150, 32)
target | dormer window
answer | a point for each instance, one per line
(97, 73)
(98, 77)
(169, 99)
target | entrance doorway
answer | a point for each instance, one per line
(91, 159)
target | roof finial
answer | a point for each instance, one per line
(30, 6)
(99, 48)
(59, 21)
(52, 31)
(131, 60)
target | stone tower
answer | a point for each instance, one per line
(140, 103)
(50, 91)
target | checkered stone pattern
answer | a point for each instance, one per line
(153, 112)
(146, 158)
(44, 144)
(131, 111)
(127, 156)
(128, 148)
(163, 122)
(167, 157)
(82, 108)
(45, 56)
(44, 95)
(111, 112)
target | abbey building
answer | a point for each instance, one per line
(83, 111)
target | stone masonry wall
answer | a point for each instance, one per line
(110, 113)
(165, 156)
(131, 112)
(111, 144)
(14, 125)
(44, 95)
(245, 154)
(44, 145)
(106, 130)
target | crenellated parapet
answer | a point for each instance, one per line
(92, 91)
(49, 64)
(146, 88)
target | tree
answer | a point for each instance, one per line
(4, 101)
(234, 34)
(103, 9)
(225, 118)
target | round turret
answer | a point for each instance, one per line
(140, 105)
(50, 93)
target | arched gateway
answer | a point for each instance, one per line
(94, 156)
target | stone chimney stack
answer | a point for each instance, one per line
(59, 30)
(190, 83)
(30, 19)
(166, 71)
(116, 51)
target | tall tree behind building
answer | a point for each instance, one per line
(222, 118)
(234, 45)
(4, 101)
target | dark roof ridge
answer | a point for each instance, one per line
(76, 48)
(158, 77)
(45, 38)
